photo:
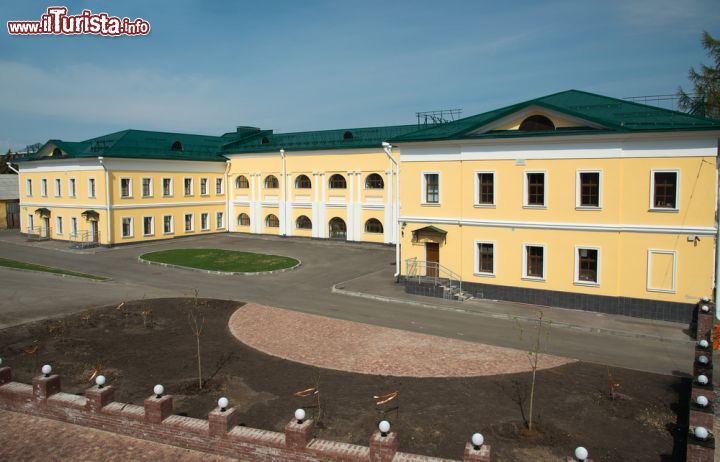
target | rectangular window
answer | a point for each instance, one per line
(432, 188)
(28, 187)
(485, 258)
(534, 261)
(58, 225)
(485, 190)
(30, 222)
(203, 186)
(588, 192)
(189, 222)
(73, 226)
(43, 187)
(218, 185)
(148, 226)
(204, 221)
(167, 187)
(662, 267)
(664, 190)
(71, 187)
(168, 224)
(58, 184)
(219, 220)
(587, 265)
(535, 189)
(91, 188)
(125, 187)
(188, 185)
(127, 227)
(147, 190)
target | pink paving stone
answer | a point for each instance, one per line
(362, 348)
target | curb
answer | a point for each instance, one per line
(564, 325)
(69, 276)
(221, 273)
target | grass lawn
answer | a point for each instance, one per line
(47, 269)
(221, 260)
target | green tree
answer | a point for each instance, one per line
(5, 161)
(705, 97)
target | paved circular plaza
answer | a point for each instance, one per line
(355, 347)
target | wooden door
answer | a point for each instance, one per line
(93, 231)
(432, 255)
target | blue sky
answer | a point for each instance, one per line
(209, 65)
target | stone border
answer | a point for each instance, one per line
(69, 276)
(224, 273)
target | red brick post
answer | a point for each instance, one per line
(482, 454)
(298, 435)
(221, 422)
(573, 459)
(44, 387)
(383, 448)
(5, 375)
(700, 453)
(158, 409)
(704, 321)
(97, 397)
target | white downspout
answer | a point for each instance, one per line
(12, 168)
(107, 199)
(387, 147)
(283, 185)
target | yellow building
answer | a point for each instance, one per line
(573, 199)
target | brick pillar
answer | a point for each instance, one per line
(44, 387)
(297, 436)
(221, 422)
(573, 459)
(158, 409)
(383, 448)
(5, 375)
(704, 322)
(700, 452)
(482, 454)
(97, 397)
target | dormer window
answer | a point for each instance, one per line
(347, 135)
(264, 140)
(536, 123)
(177, 146)
(57, 152)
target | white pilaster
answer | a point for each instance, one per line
(258, 218)
(281, 205)
(252, 203)
(358, 206)
(350, 209)
(322, 222)
(315, 208)
(289, 224)
(388, 221)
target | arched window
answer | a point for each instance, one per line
(373, 226)
(303, 182)
(337, 182)
(242, 182)
(303, 222)
(264, 140)
(337, 227)
(536, 123)
(176, 146)
(374, 181)
(57, 152)
(271, 182)
(243, 219)
(271, 221)
(347, 135)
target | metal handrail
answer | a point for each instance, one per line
(438, 274)
(82, 239)
(39, 232)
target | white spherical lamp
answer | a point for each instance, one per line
(477, 440)
(223, 403)
(581, 453)
(384, 427)
(701, 433)
(702, 401)
(706, 299)
(158, 390)
(704, 308)
(703, 343)
(300, 415)
(100, 381)
(702, 379)
(46, 369)
(702, 359)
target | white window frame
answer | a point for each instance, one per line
(31, 221)
(207, 221)
(151, 189)
(130, 187)
(59, 225)
(172, 224)
(122, 229)
(192, 222)
(578, 190)
(423, 181)
(28, 187)
(152, 225)
(73, 226)
(525, 190)
(57, 189)
(72, 187)
(576, 276)
(92, 186)
(162, 185)
(43, 187)
(476, 260)
(222, 186)
(676, 171)
(476, 200)
(525, 276)
(192, 187)
(649, 270)
(207, 186)
(221, 216)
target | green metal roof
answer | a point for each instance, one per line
(614, 115)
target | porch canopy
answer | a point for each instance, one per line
(90, 215)
(43, 212)
(430, 232)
